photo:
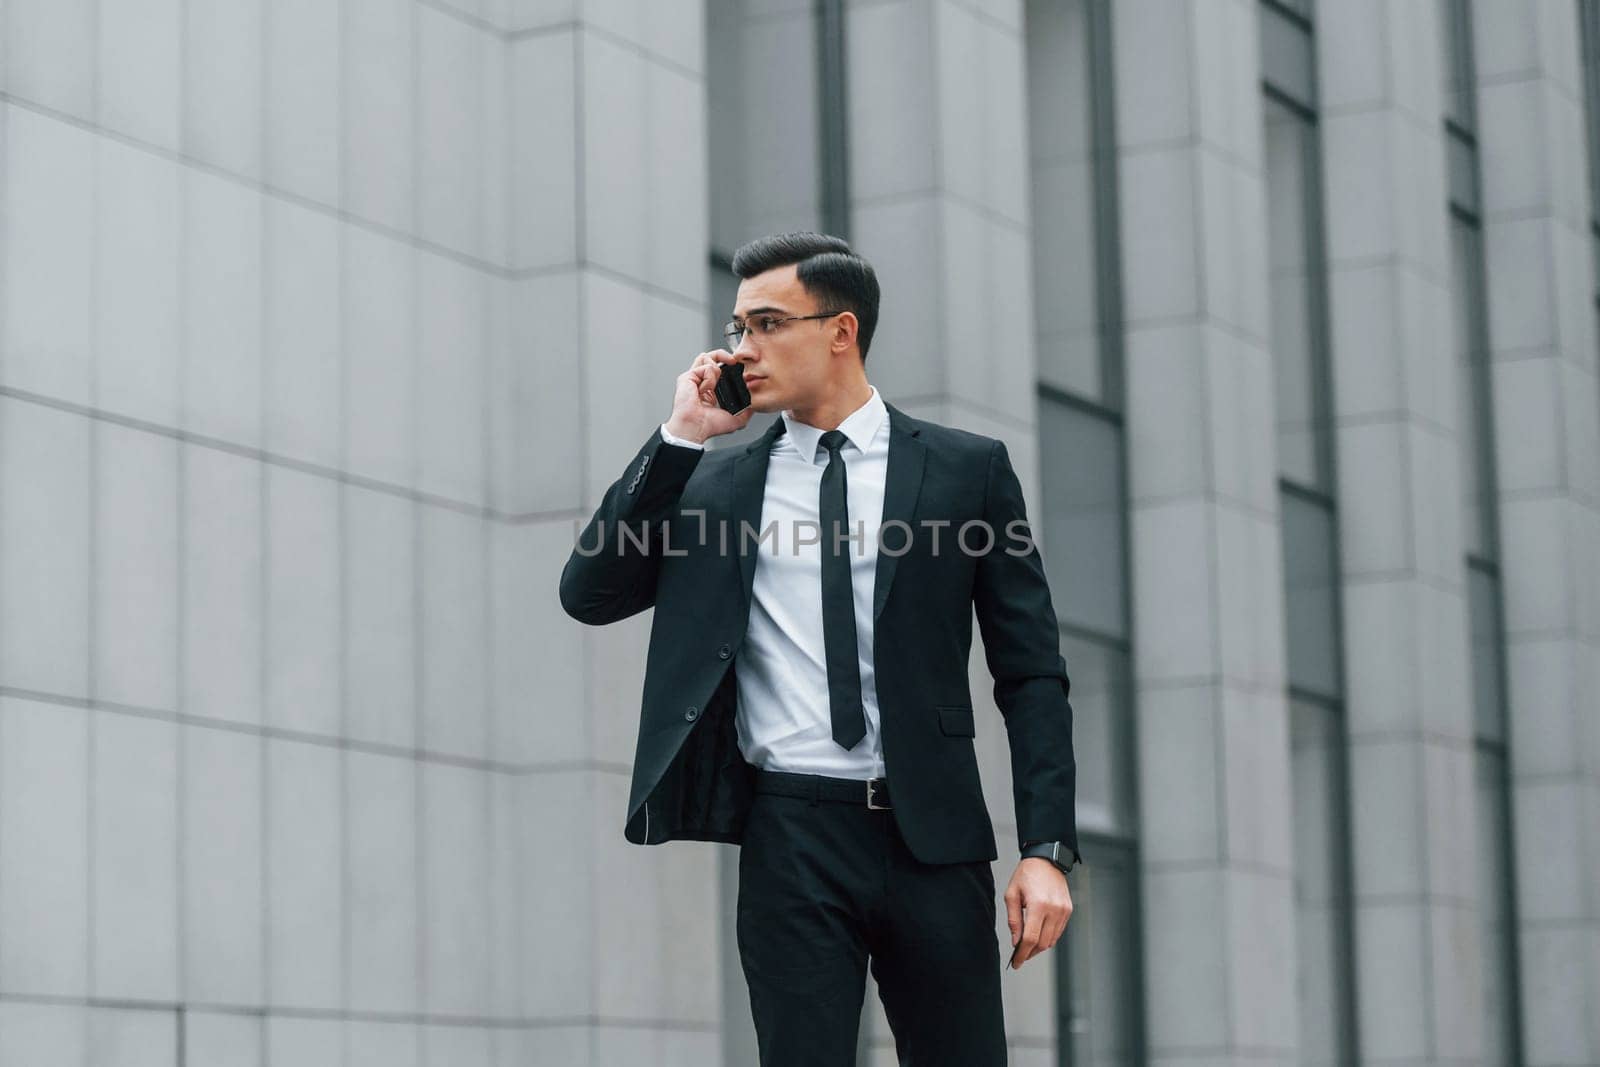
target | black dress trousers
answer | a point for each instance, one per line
(824, 887)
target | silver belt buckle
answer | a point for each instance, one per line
(870, 804)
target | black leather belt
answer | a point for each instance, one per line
(870, 793)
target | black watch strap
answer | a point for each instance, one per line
(1054, 851)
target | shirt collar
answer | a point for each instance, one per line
(859, 427)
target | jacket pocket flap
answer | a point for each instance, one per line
(957, 721)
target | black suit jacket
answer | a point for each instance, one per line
(648, 545)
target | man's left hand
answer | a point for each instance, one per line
(1038, 905)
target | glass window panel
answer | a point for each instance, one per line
(1594, 254)
(1483, 612)
(1321, 908)
(724, 294)
(1060, 122)
(1080, 461)
(1100, 734)
(1287, 143)
(1463, 174)
(764, 176)
(1456, 65)
(1061, 132)
(1494, 911)
(1594, 248)
(1096, 963)
(1589, 20)
(1286, 57)
(1467, 324)
(1309, 592)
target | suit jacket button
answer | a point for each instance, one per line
(725, 651)
(691, 713)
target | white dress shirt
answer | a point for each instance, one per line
(784, 722)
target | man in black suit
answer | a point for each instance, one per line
(806, 692)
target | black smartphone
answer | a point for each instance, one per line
(733, 396)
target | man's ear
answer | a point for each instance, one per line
(845, 327)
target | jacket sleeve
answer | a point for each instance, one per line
(1022, 645)
(612, 570)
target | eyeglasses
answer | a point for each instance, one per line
(765, 325)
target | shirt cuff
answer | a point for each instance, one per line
(679, 441)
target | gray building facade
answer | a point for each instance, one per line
(324, 324)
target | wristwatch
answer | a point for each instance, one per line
(1054, 851)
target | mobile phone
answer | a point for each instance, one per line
(733, 396)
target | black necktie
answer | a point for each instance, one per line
(838, 603)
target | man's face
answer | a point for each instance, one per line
(791, 366)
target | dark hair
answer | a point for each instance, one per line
(833, 275)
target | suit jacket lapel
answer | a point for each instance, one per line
(749, 489)
(902, 485)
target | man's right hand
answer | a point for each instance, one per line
(696, 415)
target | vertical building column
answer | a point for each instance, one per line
(607, 304)
(1543, 365)
(939, 203)
(1207, 557)
(1418, 967)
